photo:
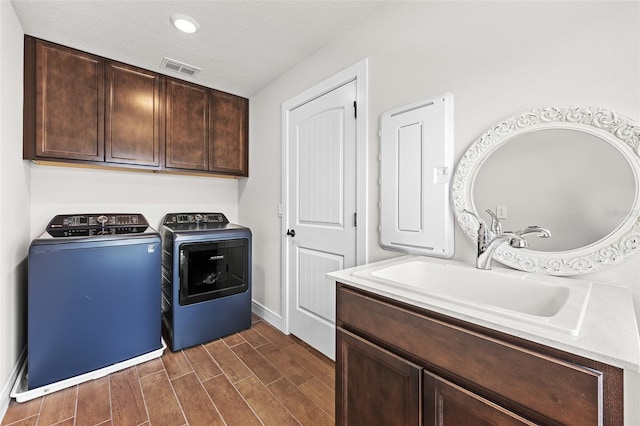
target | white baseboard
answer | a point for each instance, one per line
(268, 315)
(5, 392)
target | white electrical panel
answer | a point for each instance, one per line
(416, 164)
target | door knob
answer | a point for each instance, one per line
(291, 232)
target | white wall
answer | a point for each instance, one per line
(497, 58)
(63, 190)
(14, 202)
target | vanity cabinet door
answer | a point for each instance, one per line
(187, 128)
(134, 133)
(228, 151)
(375, 387)
(69, 102)
(448, 404)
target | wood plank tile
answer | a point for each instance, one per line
(144, 395)
(30, 421)
(321, 394)
(94, 402)
(233, 339)
(254, 338)
(230, 364)
(262, 368)
(265, 405)
(202, 363)
(22, 410)
(150, 367)
(298, 404)
(58, 406)
(320, 369)
(195, 401)
(161, 401)
(176, 364)
(127, 403)
(232, 406)
(283, 362)
(275, 336)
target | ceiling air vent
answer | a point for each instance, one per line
(180, 67)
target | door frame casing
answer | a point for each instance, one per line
(357, 72)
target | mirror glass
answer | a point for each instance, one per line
(571, 169)
(573, 183)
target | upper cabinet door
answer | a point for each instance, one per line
(69, 103)
(133, 113)
(229, 134)
(187, 129)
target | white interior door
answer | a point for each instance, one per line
(322, 208)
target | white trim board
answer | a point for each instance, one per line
(5, 392)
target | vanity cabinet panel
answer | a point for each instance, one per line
(68, 102)
(187, 134)
(229, 134)
(375, 386)
(544, 385)
(448, 404)
(134, 133)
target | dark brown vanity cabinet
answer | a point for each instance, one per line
(389, 353)
(90, 110)
(376, 387)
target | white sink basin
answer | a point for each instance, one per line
(551, 302)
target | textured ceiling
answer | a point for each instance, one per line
(242, 45)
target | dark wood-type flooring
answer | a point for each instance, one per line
(258, 376)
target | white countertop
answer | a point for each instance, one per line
(609, 331)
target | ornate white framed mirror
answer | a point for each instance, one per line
(574, 170)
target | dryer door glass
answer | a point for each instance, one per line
(213, 269)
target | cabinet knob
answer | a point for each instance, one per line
(291, 232)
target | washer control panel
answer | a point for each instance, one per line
(96, 224)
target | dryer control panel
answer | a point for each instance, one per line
(183, 218)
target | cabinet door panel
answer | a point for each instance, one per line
(375, 387)
(69, 104)
(448, 404)
(229, 138)
(187, 135)
(133, 116)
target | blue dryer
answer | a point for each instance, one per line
(206, 282)
(94, 295)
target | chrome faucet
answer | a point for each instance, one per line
(490, 238)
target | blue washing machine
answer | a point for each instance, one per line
(93, 295)
(206, 282)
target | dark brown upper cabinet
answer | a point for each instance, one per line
(187, 126)
(133, 116)
(230, 141)
(65, 103)
(206, 129)
(86, 109)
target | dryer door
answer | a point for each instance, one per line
(213, 269)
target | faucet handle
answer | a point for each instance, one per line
(496, 226)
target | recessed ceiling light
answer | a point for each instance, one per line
(184, 23)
